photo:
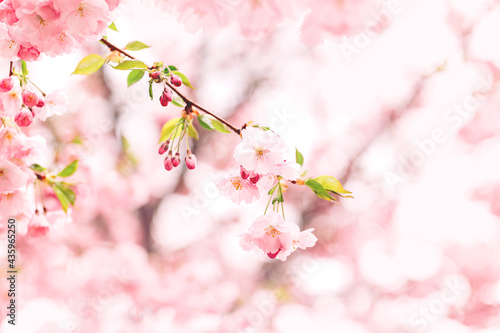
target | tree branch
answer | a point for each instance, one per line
(186, 100)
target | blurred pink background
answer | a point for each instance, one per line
(397, 99)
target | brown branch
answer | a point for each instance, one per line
(10, 70)
(115, 48)
(186, 100)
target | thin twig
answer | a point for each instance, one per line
(184, 98)
(10, 70)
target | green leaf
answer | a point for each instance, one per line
(192, 132)
(319, 190)
(69, 169)
(134, 76)
(172, 68)
(211, 123)
(299, 158)
(177, 101)
(90, 64)
(136, 46)
(24, 68)
(112, 26)
(37, 168)
(151, 89)
(170, 126)
(65, 195)
(131, 64)
(184, 78)
(333, 185)
(220, 127)
(205, 122)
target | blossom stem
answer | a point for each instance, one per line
(184, 98)
(270, 198)
(40, 90)
(10, 70)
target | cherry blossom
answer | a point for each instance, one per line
(276, 237)
(260, 151)
(237, 188)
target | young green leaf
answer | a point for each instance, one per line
(172, 68)
(151, 89)
(24, 68)
(184, 79)
(177, 101)
(219, 127)
(192, 132)
(205, 122)
(131, 64)
(37, 168)
(69, 169)
(65, 195)
(319, 190)
(112, 26)
(299, 158)
(136, 46)
(90, 64)
(176, 124)
(134, 76)
(333, 185)
(211, 123)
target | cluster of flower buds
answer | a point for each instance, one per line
(174, 160)
(162, 74)
(30, 99)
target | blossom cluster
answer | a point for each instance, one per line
(22, 103)
(17, 153)
(262, 156)
(52, 27)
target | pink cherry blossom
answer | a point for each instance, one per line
(30, 98)
(56, 103)
(13, 203)
(275, 236)
(6, 84)
(270, 233)
(261, 151)
(12, 177)
(8, 47)
(87, 18)
(238, 189)
(38, 225)
(24, 118)
(287, 170)
(28, 53)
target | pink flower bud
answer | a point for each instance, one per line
(155, 76)
(40, 103)
(24, 118)
(28, 53)
(164, 147)
(168, 163)
(30, 98)
(166, 97)
(176, 80)
(176, 160)
(6, 84)
(190, 160)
